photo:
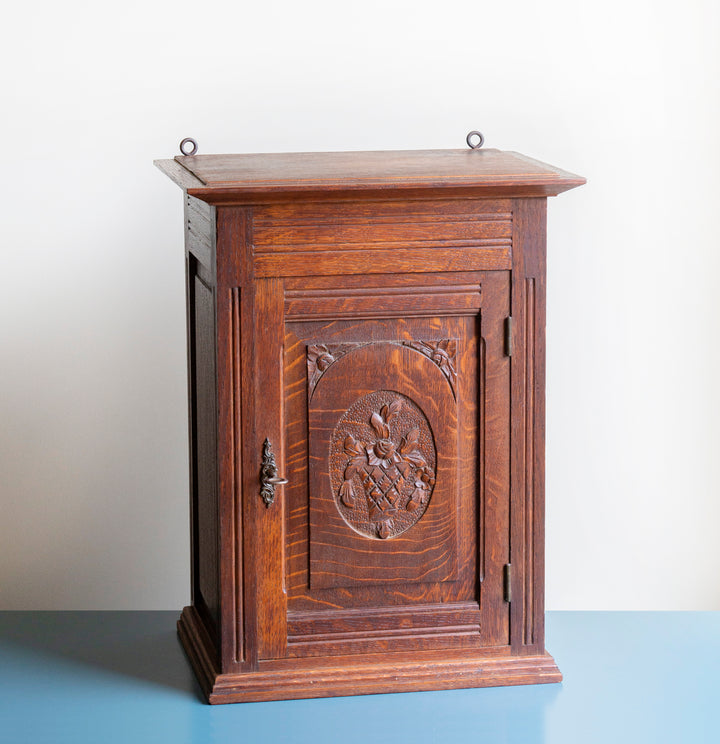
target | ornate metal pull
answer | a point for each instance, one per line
(269, 475)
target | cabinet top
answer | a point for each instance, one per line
(228, 178)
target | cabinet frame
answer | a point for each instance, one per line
(257, 263)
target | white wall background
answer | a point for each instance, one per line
(93, 451)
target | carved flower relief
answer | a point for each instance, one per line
(443, 354)
(395, 477)
(382, 453)
(319, 358)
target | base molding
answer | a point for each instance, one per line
(330, 680)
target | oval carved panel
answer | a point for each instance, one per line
(382, 464)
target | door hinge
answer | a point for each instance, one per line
(508, 336)
(507, 582)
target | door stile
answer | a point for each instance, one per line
(269, 518)
(494, 506)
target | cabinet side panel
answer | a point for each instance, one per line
(528, 405)
(535, 303)
(200, 234)
(204, 452)
(234, 313)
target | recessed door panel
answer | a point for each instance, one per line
(383, 470)
(394, 536)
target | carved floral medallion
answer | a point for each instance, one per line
(321, 356)
(382, 464)
(442, 353)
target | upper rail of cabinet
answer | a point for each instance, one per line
(314, 238)
(258, 178)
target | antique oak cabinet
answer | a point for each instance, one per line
(366, 383)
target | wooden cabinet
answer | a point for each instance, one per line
(369, 328)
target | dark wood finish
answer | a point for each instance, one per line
(351, 309)
(233, 179)
(360, 674)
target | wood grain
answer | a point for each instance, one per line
(200, 233)
(386, 261)
(229, 178)
(344, 227)
(269, 521)
(234, 311)
(404, 302)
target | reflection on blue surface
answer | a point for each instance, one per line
(122, 677)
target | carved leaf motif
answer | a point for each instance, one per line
(409, 441)
(380, 426)
(346, 494)
(404, 468)
(353, 466)
(395, 407)
(415, 458)
(352, 446)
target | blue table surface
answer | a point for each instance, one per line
(107, 677)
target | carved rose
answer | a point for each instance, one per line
(383, 453)
(384, 448)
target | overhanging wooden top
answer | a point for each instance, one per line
(232, 178)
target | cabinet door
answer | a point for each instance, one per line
(392, 532)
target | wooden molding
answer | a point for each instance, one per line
(365, 675)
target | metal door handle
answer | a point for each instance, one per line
(269, 477)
